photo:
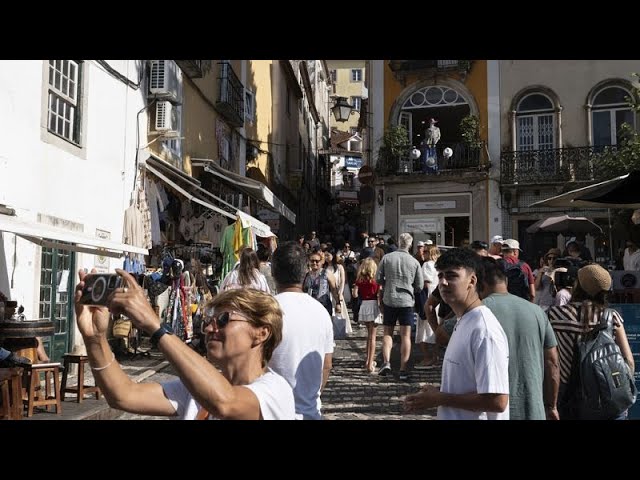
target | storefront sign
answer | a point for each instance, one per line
(102, 262)
(352, 162)
(444, 204)
(422, 226)
(631, 314)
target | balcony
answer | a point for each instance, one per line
(464, 158)
(194, 68)
(550, 166)
(230, 103)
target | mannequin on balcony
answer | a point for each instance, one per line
(429, 154)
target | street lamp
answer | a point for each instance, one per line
(341, 109)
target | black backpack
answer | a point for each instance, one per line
(601, 385)
(517, 280)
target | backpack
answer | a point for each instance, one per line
(601, 385)
(517, 280)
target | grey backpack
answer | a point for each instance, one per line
(601, 385)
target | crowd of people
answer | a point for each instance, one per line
(504, 333)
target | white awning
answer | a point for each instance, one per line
(187, 194)
(261, 229)
(251, 187)
(51, 237)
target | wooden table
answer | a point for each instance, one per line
(20, 337)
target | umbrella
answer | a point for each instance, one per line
(565, 224)
(619, 192)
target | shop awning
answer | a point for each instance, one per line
(251, 187)
(53, 237)
(184, 192)
(261, 229)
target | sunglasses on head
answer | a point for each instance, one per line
(221, 320)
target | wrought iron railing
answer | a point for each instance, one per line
(554, 165)
(230, 96)
(464, 157)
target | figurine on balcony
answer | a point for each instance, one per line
(430, 156)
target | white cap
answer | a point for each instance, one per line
(420, 244)
(428, 242)
(511, 244)
(497, 239)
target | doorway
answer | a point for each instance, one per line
(57, 282)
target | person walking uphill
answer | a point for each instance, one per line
(304, 357)
(242, 328)
(400, 276)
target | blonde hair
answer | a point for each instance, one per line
(431, 252)
(367, 270)
(262, 309)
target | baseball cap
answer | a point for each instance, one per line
(420, 244)
(428, 242)
(511, 244)
(497, 239)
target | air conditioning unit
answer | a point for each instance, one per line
(624, 279)
(167, 120)
(164, 81)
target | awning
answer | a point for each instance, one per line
(189, 196)
(51, 237)
(251, 187)
(261, 229)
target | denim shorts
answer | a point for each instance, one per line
(402, 315)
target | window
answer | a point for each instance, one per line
(63, 109)
(356, 75)
(610, 110)
(535, 123)
(334, 75)
(249, 105)
(356, 103)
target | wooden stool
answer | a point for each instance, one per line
(80, 389)
(11, 389)
(51, 380)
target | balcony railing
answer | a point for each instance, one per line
(230, 102)
(554, 165)
(464, 157)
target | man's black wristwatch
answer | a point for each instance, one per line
(155, 337)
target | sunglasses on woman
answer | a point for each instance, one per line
(222, 320)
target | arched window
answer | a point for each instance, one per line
(609, 111)
(535, 123)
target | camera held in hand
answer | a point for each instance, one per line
(98, 287)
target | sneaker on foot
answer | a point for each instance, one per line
(404, 376)
(14, 360)
(385, 370)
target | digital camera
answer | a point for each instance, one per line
(98, 287)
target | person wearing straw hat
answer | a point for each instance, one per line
(571, 321)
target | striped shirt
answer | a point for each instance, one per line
(569, 329)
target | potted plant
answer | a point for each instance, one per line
(470, 131)
(395, 145)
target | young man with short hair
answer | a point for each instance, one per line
(475, 371)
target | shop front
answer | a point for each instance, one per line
(445, 219)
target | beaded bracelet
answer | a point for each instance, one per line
(97, 369)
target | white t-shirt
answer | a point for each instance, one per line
(476, 360)
(274, 395)
(307, 336)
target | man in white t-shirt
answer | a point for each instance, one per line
(475, 371)
(304, 356)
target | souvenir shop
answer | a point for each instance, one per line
(193, 238)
